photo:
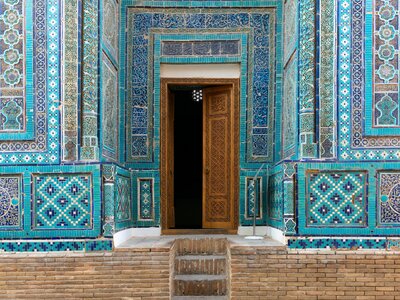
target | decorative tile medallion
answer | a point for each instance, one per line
(336, 198)
(62, 202)
(10, 201)
(388, 201)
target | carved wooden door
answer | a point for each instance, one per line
(218, 158)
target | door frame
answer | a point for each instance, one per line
(166, 158)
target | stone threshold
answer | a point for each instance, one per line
(158, 242)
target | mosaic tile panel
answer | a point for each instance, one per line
(289, 110)
(110, 108)
(111, 26)
(202, 48)
(289, 192)
(385, 63)
(290, 29)
(308, 148)
(62, 202)
(337, 244)
(336, 198)
(393, 244)
(145, 199)
(388, 201)
(12, 66)
(98, 245)
(72, 75)
(10, 202)
(123, 204)
(140, 23)
(357, 139)
(253, 202)
(275, 197)
(108, 199)
(55, 246)
(44, 147)
(327, 79)
(89, 149)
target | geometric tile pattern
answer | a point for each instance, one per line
(51, 246)
(10, 201)
(337, 244)
(336, 198)
(98, 245)
(43, 147)
(12, 73)
(62, 201)
(141, 23)
(388, 201)
(123, 205)
(108, 200)
(253, 197)
(145, 199)
(289, 193)
(275, 197)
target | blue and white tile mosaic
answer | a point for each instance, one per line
(62, 202)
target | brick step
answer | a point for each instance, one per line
(200, 285)
(208, 246)
(200, 264)
(199, 298)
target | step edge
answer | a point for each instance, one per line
(200, 257)
(199, 297)
(200, 277)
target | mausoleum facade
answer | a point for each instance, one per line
(115, 115)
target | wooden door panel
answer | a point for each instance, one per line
(217, 158)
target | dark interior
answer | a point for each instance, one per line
(188, 160)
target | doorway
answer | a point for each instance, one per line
(188, 140)
(199, 154)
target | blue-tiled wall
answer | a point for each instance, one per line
(319, 112)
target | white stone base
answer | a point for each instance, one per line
(124, 235)
(271, 232)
